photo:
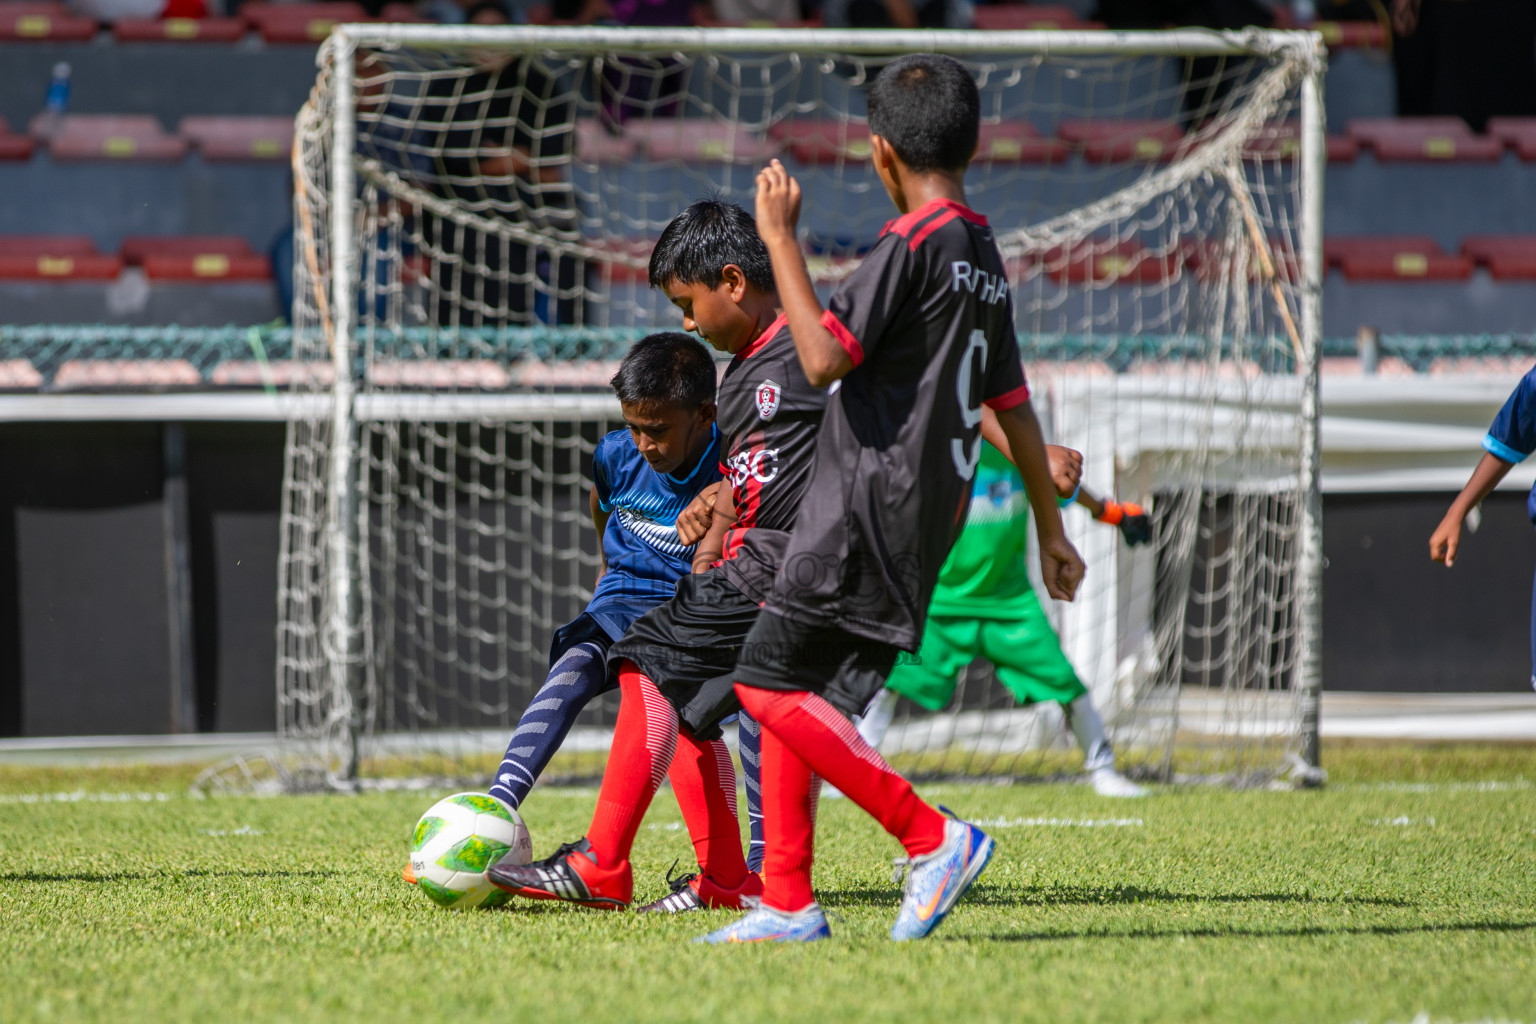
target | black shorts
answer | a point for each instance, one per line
(847, 670)
(689, 646)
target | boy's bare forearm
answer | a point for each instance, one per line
(713, 545)
(1027, 448)
(821, 357)
(1489, 472)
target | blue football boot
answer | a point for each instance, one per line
(937, 880)
(768, 925)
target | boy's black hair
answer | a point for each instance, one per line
(668, 368)
(696, 246)
(927, 107)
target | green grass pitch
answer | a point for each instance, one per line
(1406, 886)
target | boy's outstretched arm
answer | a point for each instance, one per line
(1447, 536)
(1066, 463)
(1061, 567)
(778, 210)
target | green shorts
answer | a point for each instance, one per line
(1022, 647)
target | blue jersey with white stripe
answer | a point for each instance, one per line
(1513, 434)
(644, 554)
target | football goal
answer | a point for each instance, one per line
(474, 209)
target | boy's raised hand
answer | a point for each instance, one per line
(778, 202)
(1061, 567)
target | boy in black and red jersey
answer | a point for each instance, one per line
(675, 665)
(916, 341)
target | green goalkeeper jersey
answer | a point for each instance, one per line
(984, 576)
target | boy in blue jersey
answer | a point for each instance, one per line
(646, 478)
(1510, 440)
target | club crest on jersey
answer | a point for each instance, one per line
(767, 400)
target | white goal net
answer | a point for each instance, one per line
(474, 211)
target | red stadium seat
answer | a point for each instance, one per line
(110, 137)
(196, 258)
(634, 255)
(815, 141)
(179, 30)
(700, 140)
(1282, 142)
(439, 374)
(300, 23)
(1507, 257)
(1009, 142)
(126, 375)
(1352, 35)
(19, 375)
(55, 258)
(1124, 262)
(49, 22)
(1395, 258)
(239, 138)
(596, 144)
(1122, 141)
(1519, 133)
(1424, 139)
(1029, 17)
(399, 13)
(279, 373)
(12, 145)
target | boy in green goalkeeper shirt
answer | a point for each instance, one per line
(985, 607)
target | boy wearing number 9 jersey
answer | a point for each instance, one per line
(918, 339)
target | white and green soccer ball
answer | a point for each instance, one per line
(457, 840)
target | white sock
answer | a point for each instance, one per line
(877, 716)
(1088, 728)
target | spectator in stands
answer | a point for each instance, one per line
(1473, 59)
(748, 11)
(896, 13)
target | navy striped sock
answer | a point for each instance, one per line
(749, 745)
(580, 675)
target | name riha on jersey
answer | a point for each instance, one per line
(990, 288)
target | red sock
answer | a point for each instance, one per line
(832, 748)
(789, 825)
(644, 739)
(704, 781)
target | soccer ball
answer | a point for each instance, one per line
(457, 840)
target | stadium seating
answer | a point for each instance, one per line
(50, 22)
(1422, 139)
(480, 374)
(206, 258)
(1036, 17)
(1353, 35)
(109, 137)
(596, 144)
(1018, 142)
(1518, 133)
(1122, 141)
(1125, 262)
(299, 23)
(126, 375)
(12, 145)
(55, 258)
(239, 138)
(179, 30)
(1395, 258)
(1282, 143)
(1507, 257)
(699, 140)
(19, 375)
(822, 141)
(277, 373)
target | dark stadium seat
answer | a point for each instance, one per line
(43, 22)
(126, 375)
(1352, 35)
(110, 137)
(239, 138)
(19, 375)
(1018, 142)
(55, 257)
(1507, 257)
(196, 258)
(597, 144)
(179, 30)
(1125, 262)
(299, 23)
(822, 141)
(1122, 141)
(1518, 133)
(1036, 17)
(1395, 258)
(1424, 139)
(696, 140)
(12, 145)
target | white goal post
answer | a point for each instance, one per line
(473, 208)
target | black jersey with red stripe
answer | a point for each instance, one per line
(768, 415)
(928, 322)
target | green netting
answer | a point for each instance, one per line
(49, 346)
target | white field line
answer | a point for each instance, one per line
(243, 830)
(81, 796)
(1402, 820)
(1438, 787)
(1423, 1017)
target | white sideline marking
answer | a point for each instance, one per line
(1440, 787)
(243, 830)
(1059, 822)
(1402, 820)
(1423, 1017)
(81, 796)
